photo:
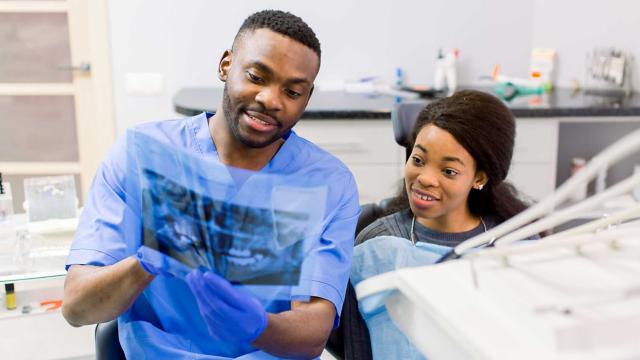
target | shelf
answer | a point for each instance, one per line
(39, 275)
(41, 251)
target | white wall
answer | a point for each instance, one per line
(575, 27)
(183, 40)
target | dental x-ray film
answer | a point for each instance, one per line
(252, 228)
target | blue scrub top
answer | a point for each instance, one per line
(164, 322)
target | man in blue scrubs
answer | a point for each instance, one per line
(268, 75)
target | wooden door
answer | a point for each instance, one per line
(56, 107)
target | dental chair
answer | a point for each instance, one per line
(352, 337)
(107, 342)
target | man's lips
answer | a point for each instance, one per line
(262, 118)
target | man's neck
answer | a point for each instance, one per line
(234, 153)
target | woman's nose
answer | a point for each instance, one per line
(428, 177)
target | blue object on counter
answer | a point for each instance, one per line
(399, 77)
(508, 90)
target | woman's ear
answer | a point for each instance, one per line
(224, 65)
(480, 180)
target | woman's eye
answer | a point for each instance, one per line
(450, 172)
(416, 160)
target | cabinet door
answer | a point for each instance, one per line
(533, 180)
(354, 141)
(377, 182)
(533, 167)
(586, 137)
(536, 141)
(45, 335)
(367, 147)
(55, 90)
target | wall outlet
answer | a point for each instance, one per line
(144, 83)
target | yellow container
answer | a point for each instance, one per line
(10, 296)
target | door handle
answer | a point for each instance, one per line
(83, 67)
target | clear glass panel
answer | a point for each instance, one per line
(17, 189)
(34, 46)
(38, 128)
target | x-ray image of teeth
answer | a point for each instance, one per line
(170, 222)
(249, 245)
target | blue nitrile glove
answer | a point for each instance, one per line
(231, 313)
(157, 263)
(146, 265)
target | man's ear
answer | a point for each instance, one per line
(309, 97)
(225, 65)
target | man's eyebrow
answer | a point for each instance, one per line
(262, 67)
(420, 147)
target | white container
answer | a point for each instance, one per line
(50, 197)
(445, 76)
(6, 201)
(542, 65)
(636, 190)
(438, 76)
(580, 192)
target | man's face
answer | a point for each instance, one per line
(268, 81)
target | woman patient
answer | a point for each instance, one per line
(454, 189)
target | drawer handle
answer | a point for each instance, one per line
(341, 146)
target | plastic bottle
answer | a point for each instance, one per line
(6, 200)
(451, 73)
(580, 192)
(446, 76)
(10, 296)
(438, 76)
(399, 77)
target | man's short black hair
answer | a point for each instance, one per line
(284, 23)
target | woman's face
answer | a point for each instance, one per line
(439, 175)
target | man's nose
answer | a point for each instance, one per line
(270, 98)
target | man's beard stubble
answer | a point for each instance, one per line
(233, 122)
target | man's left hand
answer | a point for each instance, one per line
(231, 313)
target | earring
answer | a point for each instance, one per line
(480, 186)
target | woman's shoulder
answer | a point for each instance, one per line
(396, 224)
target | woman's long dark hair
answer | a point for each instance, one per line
(485, 127)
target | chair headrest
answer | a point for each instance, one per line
(403, 118)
